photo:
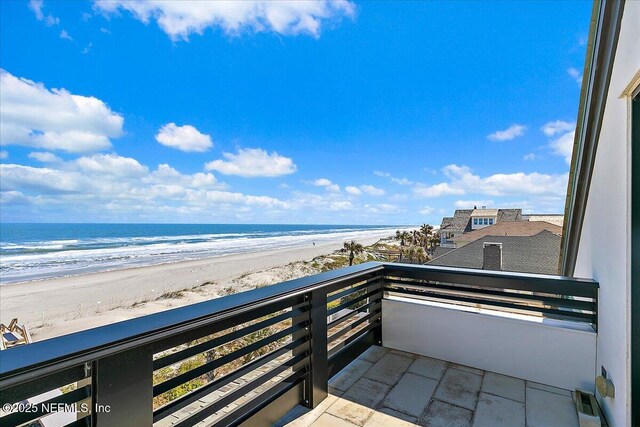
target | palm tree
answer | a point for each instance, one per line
(353, 248)
(434, 242)
(403, 236)
(411, 253)
(421, 255)
(426, 231)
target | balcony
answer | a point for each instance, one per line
(359, 345)
(385, 387)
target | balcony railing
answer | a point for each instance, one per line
(252, 356)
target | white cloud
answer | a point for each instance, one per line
(463, 181)
(328, 185)
(383, 208)
(426, 210)
(322, 182)
(111, 164)
(180, 19)
(437, 190)
(65, 35)
(343, 205)
(367, 189)
(563, 146)
(4, 154)
(529, 156)
(513, 131)
(564, 132)
(44, 157)
(371, 190)
(42, 180)
(55, 119)
(355, 191)
(36, 6)
(558, 126)
(253, 162)
(575, 75)
(184, 138)
(395, 180)
(108, 187)
(122, 186)
(401, 181)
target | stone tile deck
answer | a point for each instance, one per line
(392, 388)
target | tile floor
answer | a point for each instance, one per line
(392, 388)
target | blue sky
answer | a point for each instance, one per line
(304, 112)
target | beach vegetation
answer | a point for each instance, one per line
(352, 248)
(215, 353)
(173, 294)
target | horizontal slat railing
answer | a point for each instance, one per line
(554, 297)
(250, 357)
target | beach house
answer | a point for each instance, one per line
(466, 220)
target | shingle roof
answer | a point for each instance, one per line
(459, 221)
(446, 221)
(510, 228)
(439, 251)
(525, 254)
(484, 212)
(509, 215)
(461, 218)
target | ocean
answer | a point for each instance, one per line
(42, 251)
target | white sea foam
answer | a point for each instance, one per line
(55, 258)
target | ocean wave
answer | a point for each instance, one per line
(77, 255)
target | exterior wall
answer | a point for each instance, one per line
(604, 251)
(527, 349)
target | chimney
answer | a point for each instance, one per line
(492, 256)
(484, 207)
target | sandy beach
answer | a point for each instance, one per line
(59, 306)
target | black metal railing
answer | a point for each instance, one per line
(252, 356)
(531, 294)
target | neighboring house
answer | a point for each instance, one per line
(466, 220)
(524, 254)
(508, 228)
(556, 219)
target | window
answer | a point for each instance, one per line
(475, 221)
(490, 221)
(486, 221)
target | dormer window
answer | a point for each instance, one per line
(483, 221)
(478, 222)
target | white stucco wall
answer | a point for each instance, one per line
(531, 349)
(604, 249)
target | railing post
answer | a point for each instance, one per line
(123, 389)
(377, 331)
(317, 384)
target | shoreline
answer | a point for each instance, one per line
(83, 269)
(80, 302)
